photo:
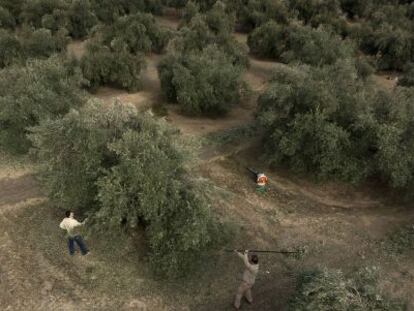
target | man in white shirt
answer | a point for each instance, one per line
(71, 225)
(249, 277)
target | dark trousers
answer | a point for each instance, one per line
(78, 240)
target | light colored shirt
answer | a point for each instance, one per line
(250, 273)
(69, 224)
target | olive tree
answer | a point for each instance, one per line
(80, 18)
(298, 43)
(407, 78)
(13, 6)
(329, 289)
(203, 82)
(115, 66)
(109, 11)
(196, 35)
(386, 32)
(334, 123)
(254, 13)
(44, 89)
(7, 20)
(139, 32)
(127, 170)
(11, 50)
(35, 12)
(38, 43)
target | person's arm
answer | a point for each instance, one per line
(241, 255)
(62, 225)
(76, 223)
(245, 257)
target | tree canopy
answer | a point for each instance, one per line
(44, 89)
(125, 169)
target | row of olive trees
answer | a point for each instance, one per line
(109, 11)
(115, 55)
(74, 16)
(380, 28)
(295, 42)
(203, 67)
(386, 32)
(30, 43)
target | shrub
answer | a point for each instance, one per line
(175, 3)
(41, 43)
(316, 46)
(395, 47)
(43, 89)
(11, 49)
(34, 11)
(399, 241)
(109, 11)
(191, 9)
(296, 42)
(387, 33)
(124, 168)
(116, 66)
(218, 20)
(268, 40)
(7, 20)
(257, 12)
(13, 6)
(81, 18)
(177, 215)
(331, 290)
(355, 8)
(394, 138)
(407, 79)
(308, 119)
(139, 32)
(316, 12)
(331, 122)
(201, 82)
(364, 67)
(205, 5)
(195, 36)
(30, 44)
(55, 21)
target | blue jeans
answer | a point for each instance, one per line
(71, 245)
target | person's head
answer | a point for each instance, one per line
(254, 259)
(69, 214)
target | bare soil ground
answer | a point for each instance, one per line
(387, 80)
(340, 225)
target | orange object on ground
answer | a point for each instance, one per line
(261, 180)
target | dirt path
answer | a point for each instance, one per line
(387, 80)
